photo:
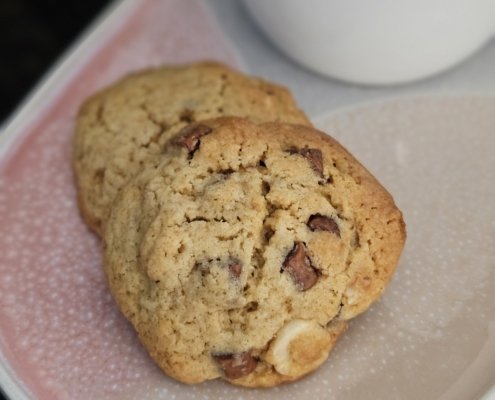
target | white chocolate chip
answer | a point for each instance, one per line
(299, 347)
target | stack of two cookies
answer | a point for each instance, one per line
(238, 239)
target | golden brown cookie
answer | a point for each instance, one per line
(123, 128)
(246, 251)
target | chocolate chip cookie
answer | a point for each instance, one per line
(124, 127)
(244, 253)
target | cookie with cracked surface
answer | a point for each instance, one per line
(123, 128)
(245, 252)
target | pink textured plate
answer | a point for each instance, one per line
(432, 335)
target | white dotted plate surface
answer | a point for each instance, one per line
(432, 335)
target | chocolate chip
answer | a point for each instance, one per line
(315, 159)
(319, 222)
(235, 366)
(190, 135)
(298, 265)
(235, 269)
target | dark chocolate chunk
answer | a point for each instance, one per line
(298, 266)
(315, 159)
(235, 366)
(319, 222)
(189, 137)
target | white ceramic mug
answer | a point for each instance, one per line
(376, 41)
